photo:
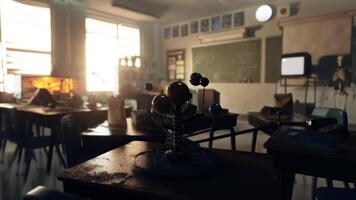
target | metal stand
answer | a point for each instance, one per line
(178, 160)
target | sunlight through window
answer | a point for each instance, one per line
(105, 44)
(27, 36)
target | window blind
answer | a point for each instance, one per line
(27, 38)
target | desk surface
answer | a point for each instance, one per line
(104, 130)
(284, 118)
(243, 175)
(257, 119)
(41, 110)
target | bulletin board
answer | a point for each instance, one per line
(176, 64)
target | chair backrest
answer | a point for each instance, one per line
(71, 129)
(144, 101)
(338, 114)
(15, 126)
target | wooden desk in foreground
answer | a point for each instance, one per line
(336, 163)
(110, 176)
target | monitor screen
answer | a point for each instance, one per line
(293, 66)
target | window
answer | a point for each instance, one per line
(27, 38)
(105, 44)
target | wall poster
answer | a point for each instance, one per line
(176, 64)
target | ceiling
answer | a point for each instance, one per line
(167, 11)
(170, 11)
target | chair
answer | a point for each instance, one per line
(72, 126)
(144, 101)
(43, 193)
(4, 135)
(342, 120)
(338, 114)
(21, 134)
(224, 123)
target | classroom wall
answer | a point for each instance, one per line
(245, 97)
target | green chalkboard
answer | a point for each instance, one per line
(273, 59)
(232, 62)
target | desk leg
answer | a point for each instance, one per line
(50, 151)
(233, 139)
(59, 153)
(285, 185)
(254, 140)
(210, 137)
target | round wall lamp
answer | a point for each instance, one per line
(264, 13)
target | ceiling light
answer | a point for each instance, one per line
(264, 13)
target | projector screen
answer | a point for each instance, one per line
(293, 66)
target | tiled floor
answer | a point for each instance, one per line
(12, 185)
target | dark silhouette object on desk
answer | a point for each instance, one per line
(148, 86)
(197, 79)
(178, 160)
(285, 102)
(204, 82)
(43, 193)
(161, 104)
(178, 93)
(215, 109)
(42, 97)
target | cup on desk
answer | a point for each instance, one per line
(116, 112)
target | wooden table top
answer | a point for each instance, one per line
(284, 118)
(104, 130)
(46, 111)
(243, 175)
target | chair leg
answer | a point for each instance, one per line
(3, 149)
(329, 183)
(233, 139)
(38, 130)
(28, 158)
(20, 156)
(347, 185)
(49, 158)
(210, 137)
(254, 140)
(18, 148)
(314, 187)
(61, 158)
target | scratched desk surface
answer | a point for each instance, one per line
(110, 176)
